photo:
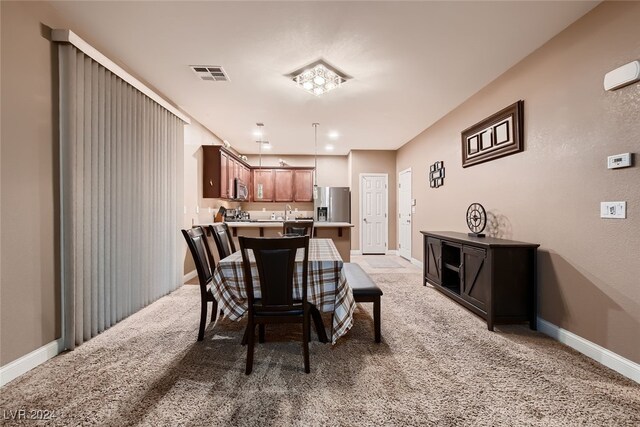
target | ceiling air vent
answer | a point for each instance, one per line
(211, 73)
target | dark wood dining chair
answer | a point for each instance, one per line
(223, 239)
(275, 262)
(297, 228)
(199, 248)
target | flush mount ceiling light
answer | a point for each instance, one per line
(318, 78)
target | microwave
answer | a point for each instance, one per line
(240, 190)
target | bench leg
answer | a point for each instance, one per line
(376, 319)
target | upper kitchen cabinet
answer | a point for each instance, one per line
(284, 185)
(291, 184)
(303, 185)
(263, 185)
(219, 170)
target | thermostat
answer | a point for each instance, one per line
(619, 161)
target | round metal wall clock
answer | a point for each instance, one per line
(476, 219)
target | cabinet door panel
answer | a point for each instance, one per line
(263, 180)
(474, 276)
(284, 185)
(224, 176)
(303, 186)
(434, 252)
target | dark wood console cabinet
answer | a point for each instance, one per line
(494, 278)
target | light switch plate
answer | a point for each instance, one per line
(616, 210)
(619, 161)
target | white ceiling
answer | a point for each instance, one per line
(411, 62)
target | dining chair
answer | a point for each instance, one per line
(223, 239)
(297, 228)
(199, 248)
(275, 262)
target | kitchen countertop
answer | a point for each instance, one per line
(278, 224)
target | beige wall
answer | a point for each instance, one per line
(30, 285)
(372, 161)
(589, 268)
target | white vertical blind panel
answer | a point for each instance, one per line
(119, 174)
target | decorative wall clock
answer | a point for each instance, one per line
(476, 219)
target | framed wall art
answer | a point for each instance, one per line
(496, 136)
(436, 175)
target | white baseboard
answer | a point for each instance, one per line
(600, 354)
(189, 276)
(416, 262)
(358, 252)
(20, 366)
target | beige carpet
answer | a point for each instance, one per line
(438, 365)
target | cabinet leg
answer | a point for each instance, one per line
(490, 325)
(533, 324)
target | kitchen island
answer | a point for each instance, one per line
(339, 232)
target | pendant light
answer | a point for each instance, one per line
(315, 168)
(260, 191)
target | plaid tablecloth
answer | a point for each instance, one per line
(327, 286)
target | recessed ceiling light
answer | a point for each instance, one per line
(333, 135)
(257, 133)
(318, 78)
(266, 146)
(328, 147)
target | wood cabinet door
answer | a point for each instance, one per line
(474, 278)
(303, 185)
(284, 185)
(432, 263)
(263, 183)
(224, 176)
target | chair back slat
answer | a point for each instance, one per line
(199, 248)
(275, 262)
(297, 228)
(223, 239)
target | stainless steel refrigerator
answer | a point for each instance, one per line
(332, 204)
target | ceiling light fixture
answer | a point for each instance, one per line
(318, 78)
(328, 147)
(333, 135)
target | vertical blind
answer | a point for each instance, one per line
(120, 189)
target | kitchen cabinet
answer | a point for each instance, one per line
(263, 185)
(283, 185)
(286, 184)
(225, 188)
(494, 278)
(219, 169)
(303, 185)
(292, 184)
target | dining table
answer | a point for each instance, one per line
(327, 286)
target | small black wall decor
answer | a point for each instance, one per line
(436, 175)
(496, 136)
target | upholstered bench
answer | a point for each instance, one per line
(364, 290)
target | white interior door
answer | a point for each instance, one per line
(404, 214)
(373, 224)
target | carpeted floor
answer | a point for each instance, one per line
(438, 365)
(382, 262)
